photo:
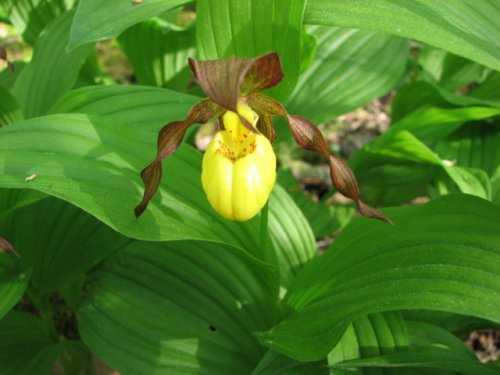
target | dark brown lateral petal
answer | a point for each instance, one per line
(226, 80)
(169, 139)
(309, 137)
(7, 246)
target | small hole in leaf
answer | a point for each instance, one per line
(212, 328)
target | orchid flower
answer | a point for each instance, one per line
(239, 165)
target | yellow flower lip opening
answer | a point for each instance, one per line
(239, 167)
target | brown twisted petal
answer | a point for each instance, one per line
(7, 246)
(309, 137)
(169, 139)
(225, 81)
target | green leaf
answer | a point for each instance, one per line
(416, 95)
(443, 256)
(370, 336)
(97, 20)
(30, 17)
(142, 107)
(430, 357)
(13, 282)
(94, 163)
(26, 347)
(489, 90)
(199, 304)
(432, 348)
(452, 72)
(274, 363)
(468, 29)
(58, 241)
(291, 235)
(165, 62)
(244, 28)
(9, 108)
(351, 68)
(52, 71)
(380, 166)
(474, 145)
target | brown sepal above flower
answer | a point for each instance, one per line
(229, 81)
(225, 81)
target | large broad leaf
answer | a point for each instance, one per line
(96, 19)
(58, 242)
(465, 28)
(351, 68)
(368, 337)
(31, 16)
(444, 256)
(179, 307)
(291, 235)
(431, 348)
(52, 72)
(143, 107)
(249, 28)
(94, 163)
(26, 346)
(9, 108)
(165, 62)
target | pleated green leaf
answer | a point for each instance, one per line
(165, 62)
(52, 71)
(58, 242)
(274, 363)
(146, 108)
(443, 256)
(30, 17)
(434, 348)
(9, 108)
(351, 68)
(179, 307)
(291, 235)
(367, 337)
(249, 28)
(97, 20)
(26, 346)
(465, 28)
(94, 163)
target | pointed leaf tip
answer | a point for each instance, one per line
(226, 80)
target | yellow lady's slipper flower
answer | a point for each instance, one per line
(239, 166)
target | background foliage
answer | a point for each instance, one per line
(182, 290)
